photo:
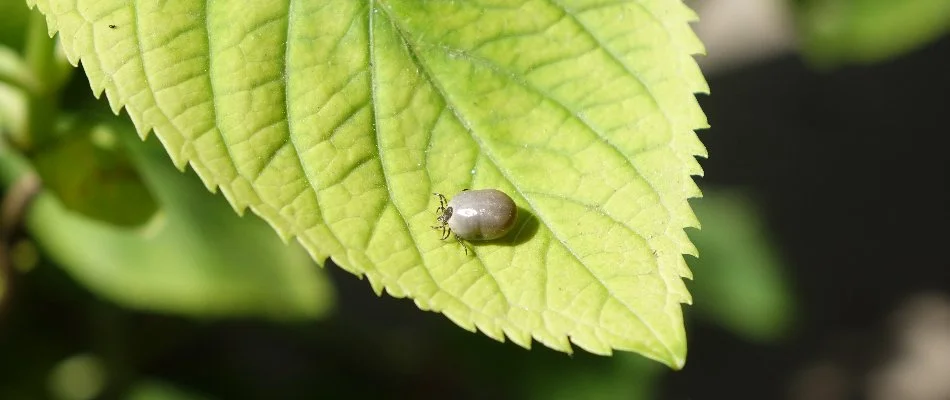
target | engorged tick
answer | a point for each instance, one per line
(483, 214)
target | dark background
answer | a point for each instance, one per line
(851, 170)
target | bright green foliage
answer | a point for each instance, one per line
(336, 120)
(843, 31)
(194, 257)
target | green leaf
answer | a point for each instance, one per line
(78, 377)
(741, 281)
(195, 257)
(621, 378)
(151, 389)
(16, 83)
(90, 174)
(862, 31)
(14, 73)
(14, 18)
(336, 120)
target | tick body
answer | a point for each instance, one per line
(483, 214)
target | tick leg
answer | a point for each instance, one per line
(445, 231)
(462, 243)
(443, 203)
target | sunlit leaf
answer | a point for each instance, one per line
(336, 120)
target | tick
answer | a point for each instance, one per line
(483, 214)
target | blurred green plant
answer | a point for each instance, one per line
(121, 220)
(193, 257)
(740, 281)
(79, 377)
(102, 181)
(14, 19)
(862, 31)
(157, 390)
(622, 378)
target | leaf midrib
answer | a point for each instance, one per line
(412, 46)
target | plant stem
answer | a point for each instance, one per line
(50, 72)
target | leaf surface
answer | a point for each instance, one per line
(336, 120)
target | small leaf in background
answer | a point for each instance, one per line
(91, 176)
(624, 377)
(14, 76)
(158, 390)
(863, 31)
(195, 257)
(335, 121)
(79, 377)
(14, 18)
(14, 73)
(740, 280)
